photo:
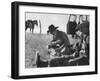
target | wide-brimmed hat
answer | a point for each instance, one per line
(51, 28)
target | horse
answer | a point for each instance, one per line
(30, 24)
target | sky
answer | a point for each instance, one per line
(47, 19)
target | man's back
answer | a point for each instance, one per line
(62, 36)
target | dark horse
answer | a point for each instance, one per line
(30, 24)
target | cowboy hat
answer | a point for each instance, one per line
(51, 28)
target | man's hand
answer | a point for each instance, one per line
(52, 43)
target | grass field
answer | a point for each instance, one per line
(35, 42)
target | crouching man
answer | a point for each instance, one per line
(61, 45)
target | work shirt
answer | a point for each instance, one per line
(62, 39)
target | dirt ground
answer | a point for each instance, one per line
(35, 42)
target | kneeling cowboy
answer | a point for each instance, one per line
(60, 40)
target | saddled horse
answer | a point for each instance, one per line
(30, 24)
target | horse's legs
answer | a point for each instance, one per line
(25, 29)
(30, 29)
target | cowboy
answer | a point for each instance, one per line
(61, 45)
(60, 39)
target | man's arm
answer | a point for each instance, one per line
(56, 42)
(75, 59)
